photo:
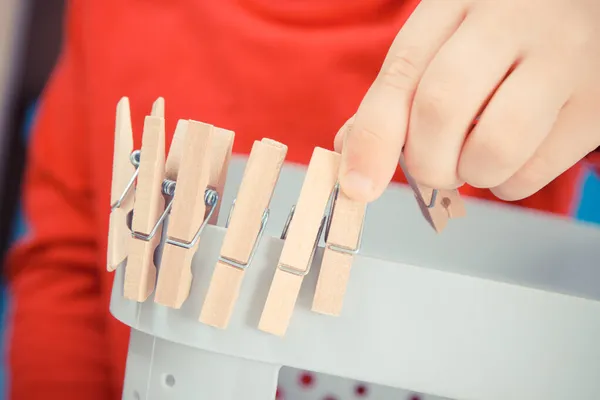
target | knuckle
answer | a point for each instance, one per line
(401, 70)
(367, 145)
(370, 138)
(490, 158)
(497, 140)
(497, 152)
(435, 99)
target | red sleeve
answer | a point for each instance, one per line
(57, 326)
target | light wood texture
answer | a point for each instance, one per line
(158, 108)
(220, 154)
(298, 248)
(140, 273)
(448, 203)
(176, 150)
(345, 230)
(188, 203)
(187, 215)
(453, 203)
(332, 283)
(259, 180)
(119, 234)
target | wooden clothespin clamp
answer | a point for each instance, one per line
(343, 237)
(246, 223)
(302, 234)
(148, 208)
(437, 205)
(125, 172)
(195, 181)
(124, 175)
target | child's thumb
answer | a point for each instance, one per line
(369, 160)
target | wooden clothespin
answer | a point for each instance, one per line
(148, 208)
(437, 205)
(343, 237)
(220, 155)
(301, 240)
(124, 175)
(125, 172)
(200, 171)
(187, 216)
(247, 221)
(452, 203)
(176, 150)
(158, 108)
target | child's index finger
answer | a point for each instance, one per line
(372, 147)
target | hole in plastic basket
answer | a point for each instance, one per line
(170, 380)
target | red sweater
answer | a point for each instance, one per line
(292, 71)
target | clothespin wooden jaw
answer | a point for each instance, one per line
(190, 200)
(245, 226)
(187, 219)
(125, 173)
(437, 205)
(123, 178)
(149, 212)
(341, 219)
(343, 239)
(301, 239)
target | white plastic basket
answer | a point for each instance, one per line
(504, 304)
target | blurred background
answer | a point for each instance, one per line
(30, 38)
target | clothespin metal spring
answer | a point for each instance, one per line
(344, 249)
(135, 160)
(288, 268)
(433, 198)
(263, 224)
(211, 199)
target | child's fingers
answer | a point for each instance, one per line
(573, 136)
(453, 90)
(515, 123)
(372, 148)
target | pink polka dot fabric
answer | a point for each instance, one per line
(306, 385)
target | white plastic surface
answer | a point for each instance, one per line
(159, 369)
(503, 305)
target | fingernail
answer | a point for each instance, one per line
(358, 186)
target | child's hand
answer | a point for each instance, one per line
(529, 68)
